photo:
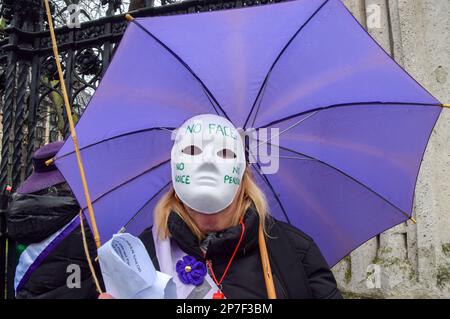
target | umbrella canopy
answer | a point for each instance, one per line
(353, 124)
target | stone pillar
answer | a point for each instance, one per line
(414, 259)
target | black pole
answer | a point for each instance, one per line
(4, 247)
(3, 239)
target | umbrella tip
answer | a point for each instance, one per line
(446, 105)
(49, 162)
(129, 17)
(413, 220)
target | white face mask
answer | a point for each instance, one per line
(208, 162)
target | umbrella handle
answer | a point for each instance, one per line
(77, 151)
(71, 125)
(88, 256)
(267, 272)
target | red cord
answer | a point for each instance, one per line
(231, 259)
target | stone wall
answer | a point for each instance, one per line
(411, 260)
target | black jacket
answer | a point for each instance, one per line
(31, 219)
(299, 269)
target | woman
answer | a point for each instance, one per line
(43, 220)
(206, 228)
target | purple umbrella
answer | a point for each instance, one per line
(353, 124)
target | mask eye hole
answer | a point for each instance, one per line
(226, 153)
(192, 150)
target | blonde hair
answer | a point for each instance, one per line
(248, 194)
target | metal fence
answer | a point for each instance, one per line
(31, 101)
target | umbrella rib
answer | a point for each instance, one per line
(129, 180)
(266, 180)
(209, 98)
(259, 104)
(344, 105)
(179, 59)
(290, 157)
(289, 128)
(142, 207)
(169, 129)
(261, 89)
(346, 175)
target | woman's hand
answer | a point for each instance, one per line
(105, 295)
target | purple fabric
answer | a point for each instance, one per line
(47, 250)
(347, 172)
(192, 276)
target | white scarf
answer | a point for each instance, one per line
(168, 253)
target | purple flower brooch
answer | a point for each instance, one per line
(191, 271)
